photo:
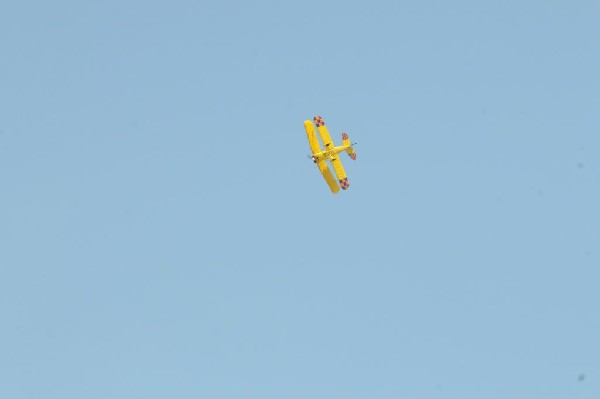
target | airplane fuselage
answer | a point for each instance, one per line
(329, 154)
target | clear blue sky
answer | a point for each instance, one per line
(163, 235)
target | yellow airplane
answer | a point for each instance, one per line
(330, 153)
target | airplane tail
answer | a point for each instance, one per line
(349, 150)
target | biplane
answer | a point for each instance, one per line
(329, 152)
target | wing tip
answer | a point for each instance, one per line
(344, 183)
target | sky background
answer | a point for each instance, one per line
(163, 234)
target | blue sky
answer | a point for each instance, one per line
(162, 233)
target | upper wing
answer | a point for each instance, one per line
(323, 132)
(326, 172)
(313, 141)
(337, 164)
(340, 172)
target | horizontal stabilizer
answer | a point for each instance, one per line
(349, 150)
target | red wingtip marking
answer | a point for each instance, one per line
(344, 183)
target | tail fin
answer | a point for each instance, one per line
(349, 150)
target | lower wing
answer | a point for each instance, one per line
(325, 136)
(326, 172)
(340, 172)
